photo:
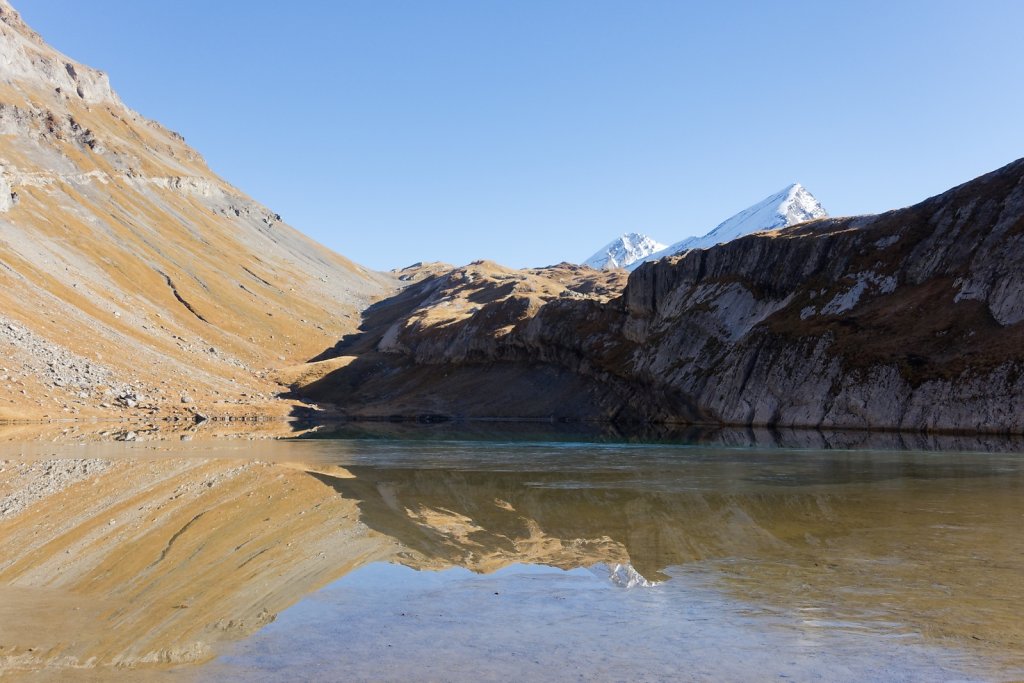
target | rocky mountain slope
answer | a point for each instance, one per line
(133, 280)
(624, 251)
(911, 319)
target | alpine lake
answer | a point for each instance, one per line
(509, 551)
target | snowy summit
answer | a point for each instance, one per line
(624, 251)
(791, 205)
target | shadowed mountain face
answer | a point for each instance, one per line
(431, 347)
(912, 319)
(130, 273)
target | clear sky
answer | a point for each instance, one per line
(531, 132)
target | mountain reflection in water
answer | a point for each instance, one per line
(166, 549)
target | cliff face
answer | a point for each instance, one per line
(910, 319)
(130, 274)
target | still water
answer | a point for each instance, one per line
(495, 558)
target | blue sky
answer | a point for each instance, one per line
(534, 132)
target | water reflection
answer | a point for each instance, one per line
(159, 552)
(929, 540)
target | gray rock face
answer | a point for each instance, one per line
(856, 323)
(912, 319)
(6, 196)
(25, 57)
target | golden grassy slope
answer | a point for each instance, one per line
(124, 249)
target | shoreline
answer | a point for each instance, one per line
(327, 425)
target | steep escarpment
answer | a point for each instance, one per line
(911, 319)
(132, 278)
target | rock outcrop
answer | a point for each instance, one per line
(910, 319)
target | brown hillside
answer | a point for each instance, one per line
(131, 276)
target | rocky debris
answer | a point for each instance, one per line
(50, 362)
(128, 398)
(80, 380)
(35, 480)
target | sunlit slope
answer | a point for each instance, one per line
(121, 247)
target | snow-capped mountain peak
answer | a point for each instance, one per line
(624, 251)
(791, 205)
(800, 205)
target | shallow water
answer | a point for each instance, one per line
(530, 622)
(454, 559)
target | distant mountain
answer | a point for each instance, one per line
(624, 251)
(789, 206)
